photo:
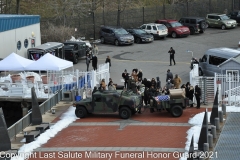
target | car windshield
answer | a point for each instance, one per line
(161, 27)
(224, 17)
(139, 31)
(176, 24)
(120, 31)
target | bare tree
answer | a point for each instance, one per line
(17, 6)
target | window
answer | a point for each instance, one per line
(193, 21)
(143, 26)
(232, 75)
(181, 20)
(26, 43)
(97, 99)
(204, 58)
(19, 45)
(216, 60)
(154, 28)
(149, 27)
(167, 25)
(186, 20)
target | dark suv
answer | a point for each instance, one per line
(115, 35)
(195, 24)
(235, 15)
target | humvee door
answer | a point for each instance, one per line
(99, 105)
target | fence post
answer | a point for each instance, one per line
(205, 89)
(229, 88)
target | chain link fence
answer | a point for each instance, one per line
(137, 16)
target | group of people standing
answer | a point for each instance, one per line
(93, 57)
(190, 91)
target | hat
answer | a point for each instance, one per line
(125, 70)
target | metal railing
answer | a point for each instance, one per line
(25, 121)
(233, 96)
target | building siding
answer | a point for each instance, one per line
(10, 22)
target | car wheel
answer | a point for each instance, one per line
(138, 40)
(200, 72)
(176, 111)
(125, 113)
(102, 40)
(174, 34)
(202, 25)
(207, 25)
(81, 112)
(116, 42)
(192, 31)
(223, 27)
(75, 59)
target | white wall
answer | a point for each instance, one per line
(9, 39)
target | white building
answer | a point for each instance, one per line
(18, 33)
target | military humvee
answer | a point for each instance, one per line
(126, 103)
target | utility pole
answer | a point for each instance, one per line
(118, 14)
(103, 12)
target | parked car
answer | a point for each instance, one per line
(220, 20)
(235, 15)
(175, 29)
(115, 35)
(140, 35)
(195, 24)
(74, 50)
(157, 30)
(212, 58)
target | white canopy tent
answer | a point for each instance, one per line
(49, 62)
(14, 62)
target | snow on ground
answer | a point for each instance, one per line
(195, 130)
(26, 150)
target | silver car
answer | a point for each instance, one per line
(220, 20)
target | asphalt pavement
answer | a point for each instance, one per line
(153, 58)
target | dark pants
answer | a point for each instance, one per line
(172, 59)
(198, 101)
(191, 98)
(95, 67)
(125, 84)
(87, 66)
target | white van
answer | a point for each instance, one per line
(209, 63)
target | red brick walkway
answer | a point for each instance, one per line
(129, 136)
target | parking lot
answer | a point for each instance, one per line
(153, 58)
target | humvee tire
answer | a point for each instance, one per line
(176, 111)
(125, 113)
(81, 112)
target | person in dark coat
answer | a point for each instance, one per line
(158, 83)
(108, 60)
(190, 94)
(125, 76)
(140, 74)
(153, 83)
(88, 61)
(146, 94)
(172, 53)
(94, 62)
(198, 94)
(169, 76)
(187, 88)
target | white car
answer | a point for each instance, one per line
(157, 30)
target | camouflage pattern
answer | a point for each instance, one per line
(107, 101)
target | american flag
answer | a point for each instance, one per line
(162, 98)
